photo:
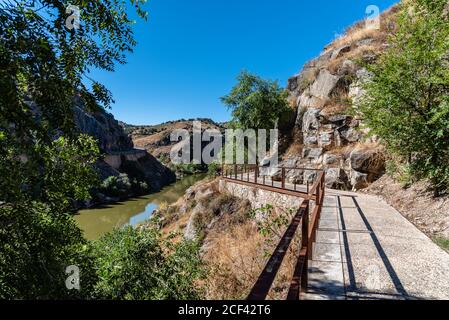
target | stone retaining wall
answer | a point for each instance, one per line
(258, 197)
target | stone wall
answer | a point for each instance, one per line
(258, 197)
(115, 160)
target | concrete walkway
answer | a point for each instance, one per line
(367, 250)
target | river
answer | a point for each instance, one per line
(99, 221)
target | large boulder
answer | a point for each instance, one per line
(312, 153)
(330, 159)
(308, 100)
(359, 180)
(324, 84)
(311, 120)
(336, 178)
(369, 161)
(326, 139)
(350, 134)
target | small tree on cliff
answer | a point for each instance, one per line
(256, 103)
(407, 100)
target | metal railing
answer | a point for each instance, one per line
(284, 180)
(308, 216)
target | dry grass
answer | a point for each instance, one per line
(293, 150)
(335, 107)
(236, 257)
(359, 31)
(234, 251)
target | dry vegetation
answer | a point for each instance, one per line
(363, 42)
(233, 249)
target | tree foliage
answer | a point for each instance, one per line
(256, 103)
(44, 161)
(38, 236)
(407, 99)
(135, 264)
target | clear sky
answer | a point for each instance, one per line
(190, 51)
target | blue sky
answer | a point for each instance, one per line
(190, 51)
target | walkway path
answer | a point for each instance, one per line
(365, 249)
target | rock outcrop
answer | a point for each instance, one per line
(120, 154)
(104, 128)
(328, 135)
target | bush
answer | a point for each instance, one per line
(37, 245)
(116, 186)
(407, 99)
(135, 264)
(213, 169)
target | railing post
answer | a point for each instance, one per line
(283, 178)
(305, 244)
(256, 174)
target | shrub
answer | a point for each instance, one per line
(213, 169)
(138, 264)
(407, 98)
(116, 186)
(37, 245)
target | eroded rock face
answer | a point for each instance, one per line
(327, 134)
(104, 128)
(367, 161)
(336, 178)
(121, 157)
(324, 84)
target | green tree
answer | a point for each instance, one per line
(407, 99)
(256, 103)
(44, 71)
(38, 236)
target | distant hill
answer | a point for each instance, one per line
(156, 138)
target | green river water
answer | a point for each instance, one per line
(99, 221)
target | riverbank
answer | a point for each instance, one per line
(102, 219)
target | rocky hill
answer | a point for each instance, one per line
(156, 139)
(326, 134)
(120, 155)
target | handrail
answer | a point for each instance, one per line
(307, 216)
(257, 175)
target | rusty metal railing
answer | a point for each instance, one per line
(273, 179)
(308, 216)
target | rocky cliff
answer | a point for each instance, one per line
(104, 128)
(326, 134)
(120, 154)
(156, 139)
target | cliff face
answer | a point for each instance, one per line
(325, 134)
(120, 154)
(156, 139)
(104, 128)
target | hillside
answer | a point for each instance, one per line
(156, 139)
(326, 134)
(120, 156)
